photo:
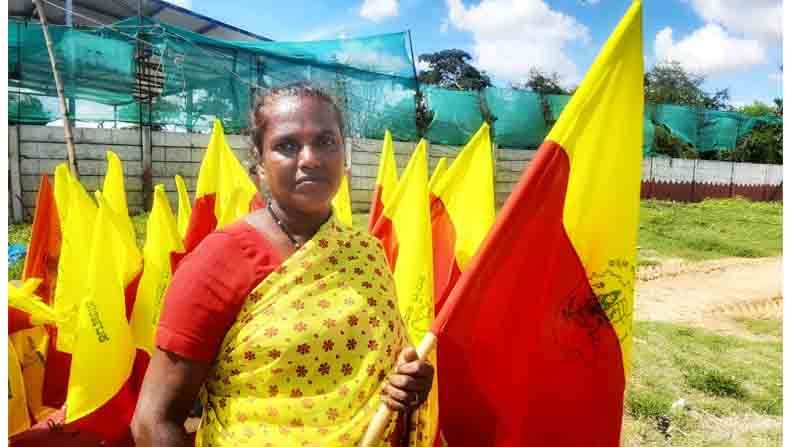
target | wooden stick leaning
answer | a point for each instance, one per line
(375, 431)
(67, 125)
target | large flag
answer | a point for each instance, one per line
(224, 190)
(77, 218)
(342, 203)
(538, 328)
(162, 239)
(462, 212)
(18, 418)
(183, 210)
(100, 399)
(385, 182)
(405, 231)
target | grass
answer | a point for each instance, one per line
(691, 387)
(708, 230)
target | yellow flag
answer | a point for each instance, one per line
(342, 203)
(162, 238)
(408, 209)
(441, 168)
(221, 174)
(467, 191)
(115, 194)
(70, 286)
(18, 419)
(183, 212)
(104, 339)
(62, 191)
(25, 299)
(385, 182)
(31, 347)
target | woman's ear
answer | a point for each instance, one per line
(262, 176)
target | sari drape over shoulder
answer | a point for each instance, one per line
(304, 362)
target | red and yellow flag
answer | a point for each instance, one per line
(45, 242)
(79, 212)
(342, 203)
(538, 328)
(162, 239)
(385, 182)
(100, 400)
(224, 190)
(183, 210)
(18, 418)
(404, 229)
(462, 211)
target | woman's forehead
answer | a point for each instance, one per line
(302, 111)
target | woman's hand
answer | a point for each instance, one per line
(408, 387)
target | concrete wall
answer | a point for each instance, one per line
(155, 157)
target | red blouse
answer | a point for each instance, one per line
(208, 290)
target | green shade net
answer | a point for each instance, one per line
(556, 105)
(719, 131)
(456, 115)
(648, 129)
(144, 71)
(519, 117)
(684, 122)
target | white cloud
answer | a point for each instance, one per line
(708, 50)
(776, 76)
(378, 10)
(421, 65)
(512, 36)
(759, 19)
(326, 32)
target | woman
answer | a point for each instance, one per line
(284, 323)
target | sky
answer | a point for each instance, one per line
(733, 43)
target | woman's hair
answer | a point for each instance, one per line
(264, 98)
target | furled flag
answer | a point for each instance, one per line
(538, 328)
(438, 172)
(224, 190)
(79, 214)
(385, 182)
(342, 203)
(100, 400)
(404, 229)
(462, 212)
(115, 194)
(183, 210)
(162, 239)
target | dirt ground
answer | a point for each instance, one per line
(711, 294)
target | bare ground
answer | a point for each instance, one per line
(710, 294)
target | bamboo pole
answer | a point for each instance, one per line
(375, 431)
(67, 125)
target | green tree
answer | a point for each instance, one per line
(758, 108)
(451, 69)
(544, 83)
(670, 83)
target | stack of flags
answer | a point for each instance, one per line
(90, 297)
(531, 307)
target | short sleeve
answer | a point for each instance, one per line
(209, 288)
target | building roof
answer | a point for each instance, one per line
(110, 11)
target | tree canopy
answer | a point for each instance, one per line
(451, 69)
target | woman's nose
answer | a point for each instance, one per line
(308, 157)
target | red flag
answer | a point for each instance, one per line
(537, 331)
(45, 242)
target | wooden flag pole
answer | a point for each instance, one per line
(67, 125)
(375, 431)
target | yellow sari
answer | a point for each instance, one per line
(304, 363)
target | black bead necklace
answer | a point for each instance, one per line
(283, 226)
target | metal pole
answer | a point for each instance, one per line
(67, 125)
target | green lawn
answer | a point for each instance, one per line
(728, 389)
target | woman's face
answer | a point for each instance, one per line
(302, 153)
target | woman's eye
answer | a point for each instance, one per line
(287, 147)
(328, 142)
